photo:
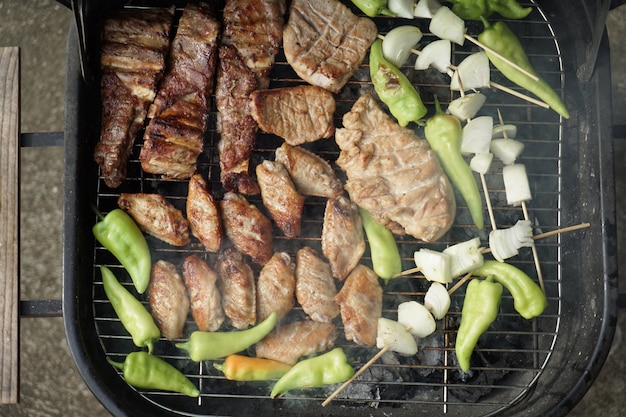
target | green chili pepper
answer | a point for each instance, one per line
(133, 315)
(142, 370)
(330, 368)
(119, 233)
(499, 38)
(386, 260)
(480, 309)
(528, 298)
(373, 8)
(203, 346)
(443, 133)
(475, 9)
(245, 368)
(394, 88)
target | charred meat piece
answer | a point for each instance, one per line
(280, 197)
(325, 42)
(134, 46)
(311, 174)
(157, 217)
(247, 227)
(174, 137)
(289, 342)
(169, 303)
(343, 242)
(361, 303)
(204, 295)
(238, 289)
(297, 114)
(237, 128)
(393, 173)
(203, 215)
(255, 29)
(275, 287)
(315, 286)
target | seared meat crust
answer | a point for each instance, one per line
(238, 288)
(203, 214)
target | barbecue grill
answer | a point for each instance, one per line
(531, 367)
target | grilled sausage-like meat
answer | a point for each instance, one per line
(203, 214)
(361, 303)
(238, 289)
(297, 114)
(325, 42)
(275, 287)
(204, 296)
(393, 173)
(283, 202)
(289, 342)
(157, 217)
(169, 303)
(315, 286)
(174, 137)
(134, 46)
(247, 227)
(343, 242)
(311, 174)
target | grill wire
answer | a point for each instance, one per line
(510, 356)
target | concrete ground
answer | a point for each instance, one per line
(50, 384)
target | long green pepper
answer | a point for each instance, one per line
(480, 309)
(444, 133)
(142, 370)
(499, 38)
(475, 9)
(386, 260)
(119, 233)
(394, 88)
(133, 315)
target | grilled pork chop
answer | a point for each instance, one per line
(297, 114)
(238, 288)
(325, 42)
(134, 46)
(169, 303)
(393, 173)
(275, 287)
(174, 137)
(204, 295)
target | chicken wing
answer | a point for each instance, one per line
(204, 296)
(275, 287)
(315, 286)
(238, 289)
(169, 303)
(203, 215)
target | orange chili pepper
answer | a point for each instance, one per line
(245, 368)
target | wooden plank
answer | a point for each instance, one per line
(9, 224)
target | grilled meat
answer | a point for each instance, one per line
(203, 215)
(283, 202)
(325, 42)
(311, 174)
(169, 303)
(297, 114)
(255, 29)
(174, 137)
(157, 217)
(289, 342)
(393, 173)
(361, 301)
(205, 298)
(275, 287)
(315, 286)
(237, 128)
(247, 227)
(343, 242)
(134, 46)
(238, 289)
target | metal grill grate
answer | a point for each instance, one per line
(510, 356)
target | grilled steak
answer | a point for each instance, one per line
(297, 114)
(169, 303)
(204, 295)
(238, 288)
(361, 301)
(325, 42)
(203, 215)
(393, 173)
(157, 217)
(275, 287)
(315, 286)
(174, 137)
(311, 174)
(134, 46)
